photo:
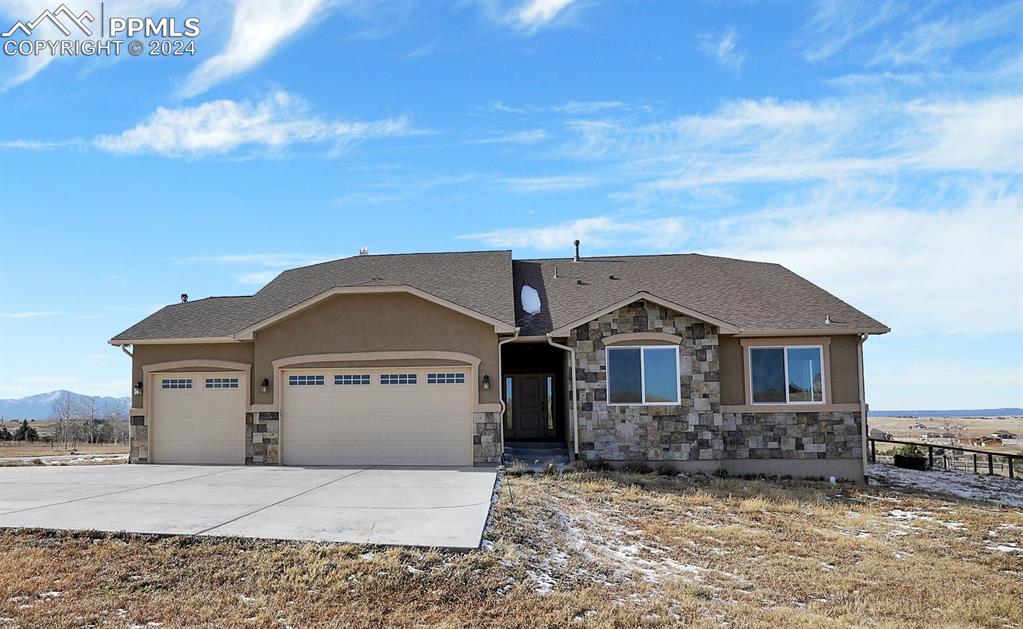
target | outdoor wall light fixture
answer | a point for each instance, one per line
(137, 389)
(264, 386)
(486, 382)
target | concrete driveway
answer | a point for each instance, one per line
(435, 507)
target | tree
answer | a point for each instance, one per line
(64, 412)
(5, 435)
(26, 432)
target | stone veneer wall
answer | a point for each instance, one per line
(263, 438)
(827, 435)
(696, 432)
(486, 439)
(138, 439)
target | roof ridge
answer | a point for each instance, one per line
(644, 255)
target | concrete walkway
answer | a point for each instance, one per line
(433, 507)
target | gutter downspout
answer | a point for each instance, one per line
(500, 383)
(124, 348)
(863, 403)
(575, 393)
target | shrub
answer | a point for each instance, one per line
(909, 450)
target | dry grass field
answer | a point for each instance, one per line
(574, 549)
(973, 427)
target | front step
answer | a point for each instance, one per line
(536, 456)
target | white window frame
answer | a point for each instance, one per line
(785, 364)
(306, 380)
(445, 377)
(399, 379)
(353, 379)
(175, 384)
(642, 375)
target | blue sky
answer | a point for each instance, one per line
(876, 149)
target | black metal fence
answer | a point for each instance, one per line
(955, 458)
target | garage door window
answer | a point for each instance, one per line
(397, 378)
(348, 378)
(445, 378)
(303, 381)
(221, 383)
(176, 383)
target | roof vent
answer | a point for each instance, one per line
(827, 320)
(576, 243)
(555, 271)
(184, 298)
(612, 277)
(363, 251)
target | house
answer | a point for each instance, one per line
(1002, 434)
(695, 362)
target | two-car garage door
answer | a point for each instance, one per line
(372, 416)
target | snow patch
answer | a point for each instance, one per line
(995, 489)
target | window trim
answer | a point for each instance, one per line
(785, 362)
(307, 380)
(217, 383)
(642, 375)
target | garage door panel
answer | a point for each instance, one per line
(376, 424)
(198, 425)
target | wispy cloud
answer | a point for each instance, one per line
(724, 48)
(934, 41)
(535, 14)
(598, 231)
(835, 24)
(221, 126)
(30, 314)
(41, 145)
(529, 136)
(549, 184)
(257, 29)
(255, 278)
(572, 107)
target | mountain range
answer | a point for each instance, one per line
(41, 406)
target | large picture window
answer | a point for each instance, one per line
(642, 375)
(787, 375)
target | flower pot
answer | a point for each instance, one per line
(911, 462)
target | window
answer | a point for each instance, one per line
(786, 375)
(305, 381)
(221, 383)
(397, 378)
(445, 378)
(347, 378)
(642, 375)
(176, 383)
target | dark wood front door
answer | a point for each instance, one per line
(530, 406)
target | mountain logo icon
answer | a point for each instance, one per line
(52, 16)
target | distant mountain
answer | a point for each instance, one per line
(41, 406)
(975, 412)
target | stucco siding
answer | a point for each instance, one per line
(845, 381)
(151, 354)
(733, 389)
(373, 323)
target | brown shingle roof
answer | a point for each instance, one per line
(479, 281)
(751, 296)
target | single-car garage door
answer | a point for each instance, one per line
(198, 418)
(402, 416)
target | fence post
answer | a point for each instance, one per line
(873, 451)
(990, 465)
(1010, 468)
(974, 462)
(930, 456)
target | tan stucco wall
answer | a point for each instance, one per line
(376, 322)
(845, 381)
(150, 354)
(845, 384)
(730, 359)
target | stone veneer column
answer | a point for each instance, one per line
(486, 439)
(138, 439)
(262, 438)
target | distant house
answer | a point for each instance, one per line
(918, 427)
(1002, 434)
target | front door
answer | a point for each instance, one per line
(530, 406)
